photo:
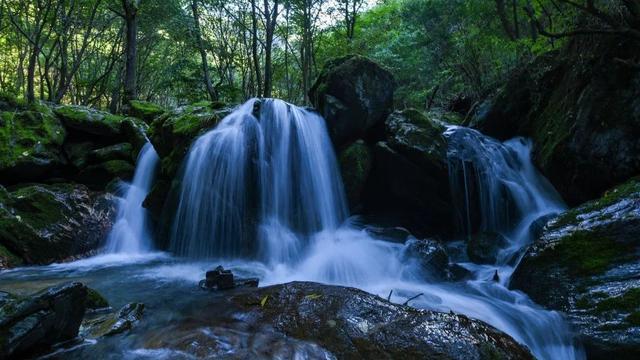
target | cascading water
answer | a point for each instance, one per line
(130, 233)
(258, 185)
(266, 186)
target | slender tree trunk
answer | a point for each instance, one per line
(131, 48)
(31, 74)
(254, 47)
(213, 94)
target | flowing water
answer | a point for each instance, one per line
(130, 233)
(262, 195)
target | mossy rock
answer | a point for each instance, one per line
(95, 300)
(355, 166)
(121, 151)
(90, 121)
(585, 263)
(41, 224)
(354, 95)
(30, 145)
(99, 175)
(145, 110)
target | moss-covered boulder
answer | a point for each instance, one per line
(581, 106)
(172, 135)
(89, 121)
(355, 166)
(586, 263)
(409, 176)
(41, 224)
(30, 145)
(95, 300)
(354, 95)
(145, 110)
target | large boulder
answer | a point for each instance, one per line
(409, 176)
(331, 322)
(354, 95)
(484, 246)
(30, 326)
(41, 224)
(355, 165)
(89, 121)
(30, 145)
(586, 263)
(145, 110)
(581, 106)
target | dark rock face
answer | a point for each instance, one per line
(343, 322)
(29, 326)
(409, 176)
(582, 108)
(354, 95)
(586, 263)
(483, 247)
(41, 224)
(355, 166)
(431, 258)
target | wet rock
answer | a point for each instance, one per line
(346, 322)
(355, 166)
(31, 325)
(354, 95)
(429, 256)
(586, 263)
(95, 300)
(483, 247)
(114, 323)
(409, 177)
(221, 279)
(41, 224)
(581, 106)
(30, 145)
(99, 175)
(120, 151)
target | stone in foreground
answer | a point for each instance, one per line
(310, 320)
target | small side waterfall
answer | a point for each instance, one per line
(258, 185)
(497, 189)
(130, 233)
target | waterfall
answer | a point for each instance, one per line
(264, 185)
(258, 186)
(130, 233)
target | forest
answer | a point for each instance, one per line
(103, 53)
(320, 179)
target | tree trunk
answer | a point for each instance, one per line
(270, 27)
(31, 74)
(131, 48)
(502, 14)
(213, 94)
(254, 47)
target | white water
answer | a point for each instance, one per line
(294, 223)
(130, 233)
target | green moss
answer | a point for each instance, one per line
(29, 136)
(95, 300)
(629, 301)
(89, 120)
(584, 253)
(145, 110)
(626, 190)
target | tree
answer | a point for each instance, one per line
(213, 95)
(130, 15)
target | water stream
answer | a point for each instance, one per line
(262, 195)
